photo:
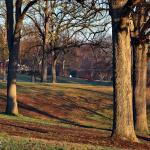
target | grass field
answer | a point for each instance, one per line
(76, 114)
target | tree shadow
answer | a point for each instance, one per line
(36, 129)
(73, 105)
(62, 120)
(3, 97)
(69, 105)
(144, 138)
(105, 94)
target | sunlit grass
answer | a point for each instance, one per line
(19, 143)
(25, 119)
(83, 95)
(14, 143)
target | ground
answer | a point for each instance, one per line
(74, 114)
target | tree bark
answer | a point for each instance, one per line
(54, 75)
(140, 49)
(44, 69)
(45, 42)
(4, 74)
(12, 107)
(123, 126)
(139, 86)
(13, 39)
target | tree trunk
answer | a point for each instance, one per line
(12, 107)
(4, 74)
(139, 86)
(140, 50)
(44, 69)
(33, 78)
(123, 127)
(13, 39)
(45, 42)
(54, 62)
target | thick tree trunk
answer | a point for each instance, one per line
(140, 50)
(12, 107)
(139, 86)
(13, 37)
(123, 127)
(54, 75)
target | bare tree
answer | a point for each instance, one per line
(67, 23)
(14, 25)
(31, 51)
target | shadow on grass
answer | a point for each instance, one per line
(3, 97)
(70, 104)
(104, 94)
(36, 129)
(144, 138)
(62, 120)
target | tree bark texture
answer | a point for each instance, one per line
(139, 86)
(54, 62)
(140, 50)
(123, 126)
(44, 75)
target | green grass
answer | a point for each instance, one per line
(25, 119)
(12, 143)
(27, 78)
(23, 77)
(3, 85)
(20, 143)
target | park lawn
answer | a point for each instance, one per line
(65, 112)
(20, 143)
(69, 104)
